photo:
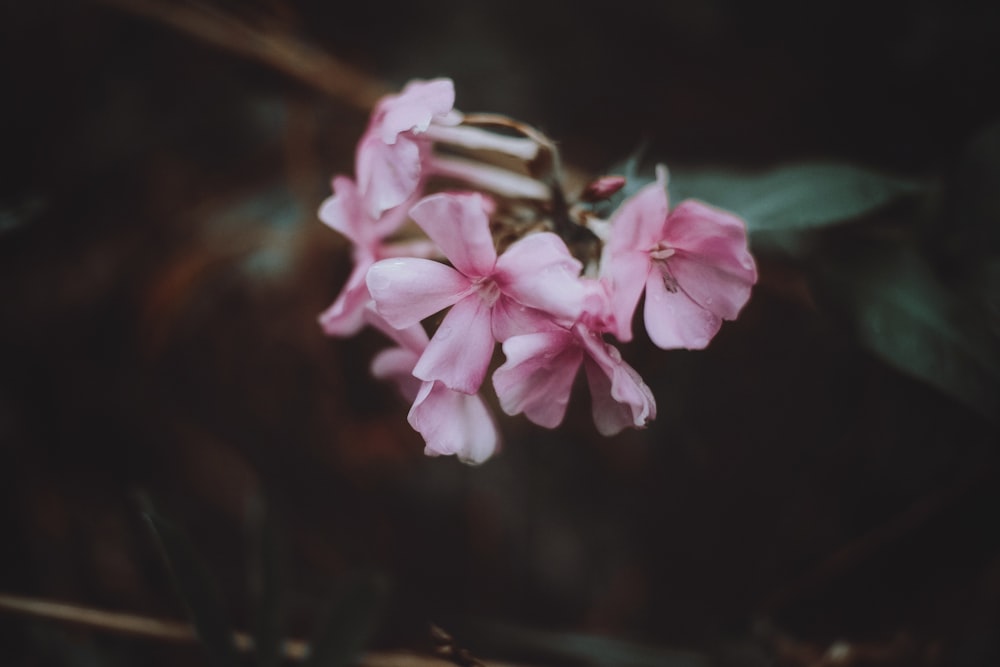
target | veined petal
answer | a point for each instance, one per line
(625, 273)
(619, 396)
(388, 174)
(408, 289)
(454, 423)
(419, 104)
(639, 222)
(396, 364)
(709, 285)
(412, 338)
(512, 318)
(461, 348)
(346, 315)
(539, 271)
(712, 261)
(459, 225)
(538, 375)
(343, 212)
(674, 320)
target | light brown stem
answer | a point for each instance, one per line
(177, 631)
(272, 47)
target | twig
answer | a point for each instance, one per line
(272, 47)
(176, 631)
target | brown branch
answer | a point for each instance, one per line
(272, 47)
(176, 631)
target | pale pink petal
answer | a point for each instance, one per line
(454, 423)
(538, 375)
(620, 398)
(412, 338)
(343, 212)
(712, 261)
(638, 223)
(388, 174)
(408, 289)
(539, 271)
(625, 274)
(346, 315)
(415, 108)
(396, 365)
(673, 319)
(709, 285)
(511, 318)
(459, 225)
(461, 348)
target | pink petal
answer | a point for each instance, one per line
(539, 271)
(625, 273)
(638, 223)
(454, 423)
(674, 320)
(396, 364)
(412, 338)
(408, 289)
(343, 212)
(538, 375)
(420, 103)
(619, 396)
(511, 318)
(346, 315)
(461, 348)
(388, 174)
(459, 225)
(719, 269)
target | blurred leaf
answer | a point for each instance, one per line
(265, 584)
(904, 315)
(795, 197)
(350, 622)
(195, 586)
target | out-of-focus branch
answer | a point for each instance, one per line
(271, 46)
(176, 631)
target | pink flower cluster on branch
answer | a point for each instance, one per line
(511, 260)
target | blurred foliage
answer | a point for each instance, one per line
(161, 270)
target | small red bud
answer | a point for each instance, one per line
(602, 188)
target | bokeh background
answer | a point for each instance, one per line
(161, 269)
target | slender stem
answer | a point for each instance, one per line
(272, 47)
(177, 631)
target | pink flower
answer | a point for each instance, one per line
(535, 280)
(391, 154)
(693, 263)
(538, 375)
(345, 213)
(451, 423)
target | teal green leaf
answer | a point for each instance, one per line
(350, 622)
(907, 317)
(796, 197)
(195, 586)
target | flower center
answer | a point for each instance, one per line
(660, 253)
(487, 289)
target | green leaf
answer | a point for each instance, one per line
(903, 314)
(350, 622)
(195, 586)
(265, 584)
(795, 197)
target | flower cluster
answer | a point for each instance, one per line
(513, 260)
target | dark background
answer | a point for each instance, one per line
(161, 269)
